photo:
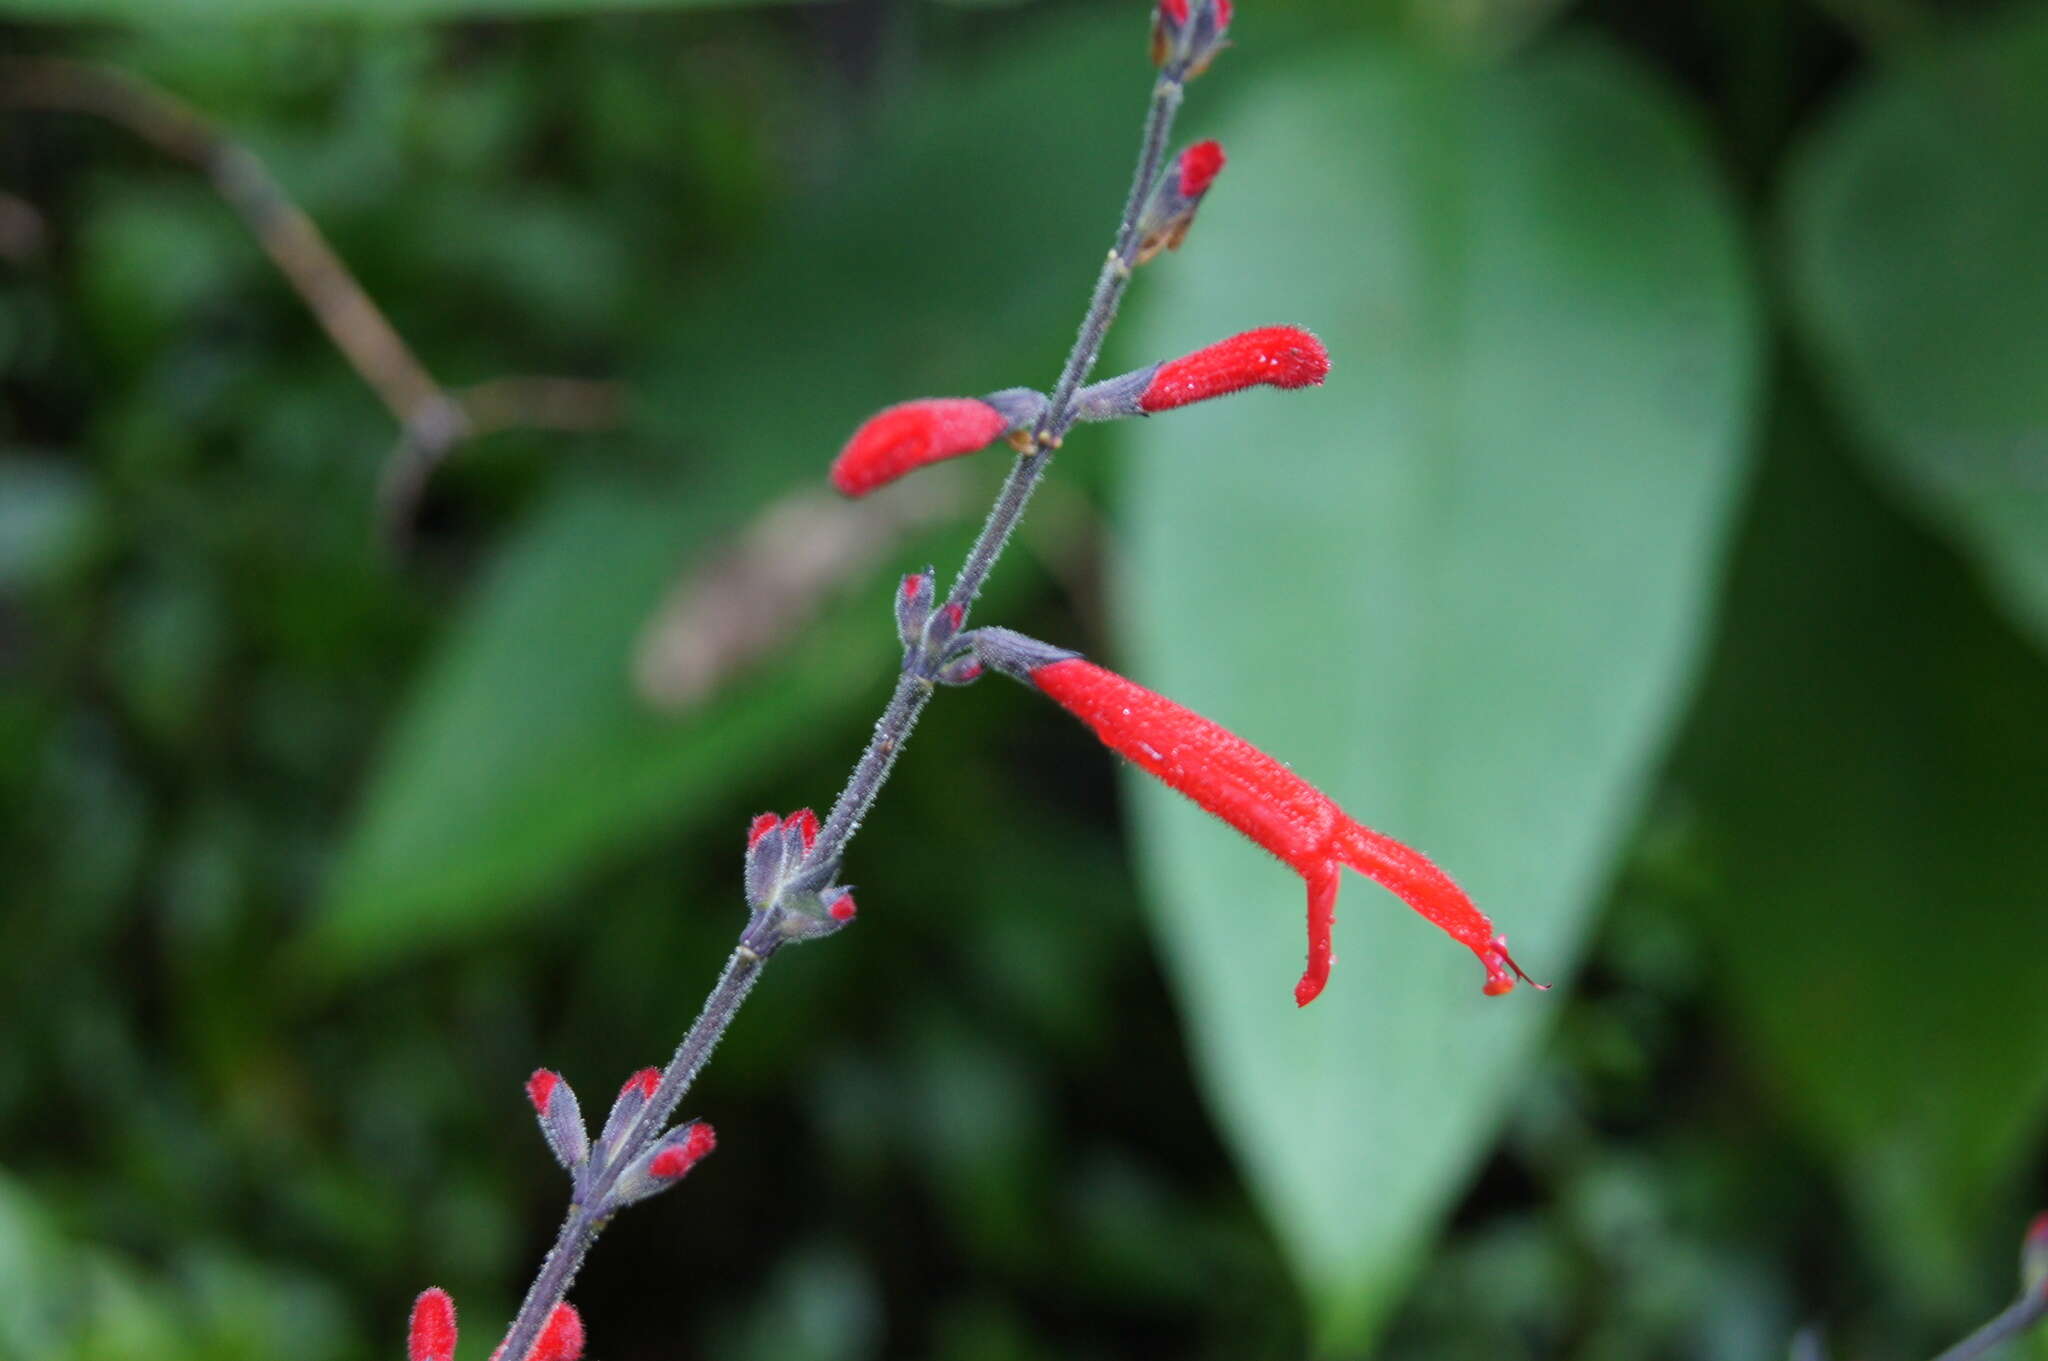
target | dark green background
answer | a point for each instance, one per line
(1668, 556)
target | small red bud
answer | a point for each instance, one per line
(906, 437)
(674, 1162)
(1176, 11)
(807, 823)
(540, 1089)
(561, 1337)
(843, 910)
(2034, 1257)
(431, 1334)
(912, 584)
(647, 1079)
(761, 827)
(1278, 356)
(956, 615)
(1200, 164)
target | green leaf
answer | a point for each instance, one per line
(1463, 587)
(1866, 774)
(1915, 217)
(166, 13)
(525, 757)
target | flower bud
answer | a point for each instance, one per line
(914, 607)
(2034, 1258)
(944, 625)
(561, 1337)
(1187, 35)
(665, 1163)
(633, 1098)
(430, 1336)
(776, 848)
(907, 436)
(1273, 356)
(813, 916)
(1276, 356)
(964, 669)
(561, 1119)
(1171, 211)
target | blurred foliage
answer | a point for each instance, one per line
(1664, 556)
(1487, 549)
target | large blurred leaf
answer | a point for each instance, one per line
(525, 754)
(1916, 225)
(1463, 587)
(1867, 769)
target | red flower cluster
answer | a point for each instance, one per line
(1288, 816)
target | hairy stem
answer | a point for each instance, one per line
(913, 691)
(583, 1223)
(2024, 1312)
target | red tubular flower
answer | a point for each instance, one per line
(1279, 356)
(906, 437)
(1288, 816)
(431, 1334)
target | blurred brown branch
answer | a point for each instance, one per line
(432, 420)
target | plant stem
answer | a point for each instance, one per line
(914, 688)
(586, 1217)
(2024, 1312)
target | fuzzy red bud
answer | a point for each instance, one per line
(843, 910)
(908, 436)
(540, 1089)
(430, 1336)
(1276, 356)
(761, 826)
(1200, 164)
(561, 1337)
(677, 1159)
(806, 823)
(2034, 1257)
